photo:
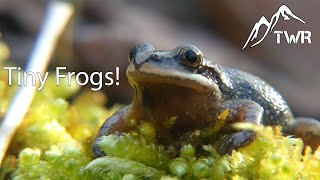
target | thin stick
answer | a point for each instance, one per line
(56, 19)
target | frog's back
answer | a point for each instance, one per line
(248, 86)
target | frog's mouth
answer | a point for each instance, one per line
(196, 82)
(152, 79)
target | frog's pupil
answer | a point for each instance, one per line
(191, 56)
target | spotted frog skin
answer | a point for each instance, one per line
(183, 85)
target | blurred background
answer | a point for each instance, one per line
(102, 33)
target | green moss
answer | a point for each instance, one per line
(122, 166)
(136, 148)
(61, 161)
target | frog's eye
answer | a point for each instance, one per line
(191, 58)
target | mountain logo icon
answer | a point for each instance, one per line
(283, 11)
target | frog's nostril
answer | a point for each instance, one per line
(155, 57)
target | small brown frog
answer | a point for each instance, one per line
(181, 84)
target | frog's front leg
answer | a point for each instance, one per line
(114, 124)
(239, 111)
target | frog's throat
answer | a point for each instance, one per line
(158, 102)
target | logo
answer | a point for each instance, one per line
(286, 14)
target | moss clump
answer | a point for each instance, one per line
(61, 161)
(270, 155)
(136, 148)
(123, 166)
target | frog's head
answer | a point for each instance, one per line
(184, 66)
(178, 77)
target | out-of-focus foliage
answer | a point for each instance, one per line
(5, 90)
(55, 137)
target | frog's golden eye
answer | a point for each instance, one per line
(190, 58)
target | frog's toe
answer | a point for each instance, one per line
(236, 141)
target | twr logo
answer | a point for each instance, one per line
(286, 13)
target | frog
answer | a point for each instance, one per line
(181, 91)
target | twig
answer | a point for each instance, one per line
(57, 16)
